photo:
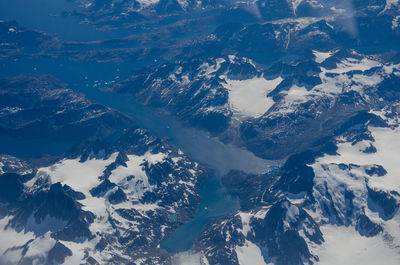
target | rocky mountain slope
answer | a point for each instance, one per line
(303, 213)
(104, 201)
(40, 106)
(297, 102)
(313, 85)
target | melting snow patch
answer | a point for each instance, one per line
(351, 64)
(248, 98)
(249, 254)
(295, 95)
(390, 3)
(79, 176)
(210, 70)
(395, 22)
(245, 217)
(146, 3)
(134, 168)
(320, 57)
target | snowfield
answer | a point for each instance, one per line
(248, 98)
(345, 246)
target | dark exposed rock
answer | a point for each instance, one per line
(48, 109)
(366, 227)
(278, 233)
(117, 197)
(11, 187)
(58, 254)
(376, 170)
(383, 203)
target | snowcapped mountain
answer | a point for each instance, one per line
(313, 86)
(241, 102)
(303, 213)
(101, 203)
(335, 108)
(106, 200)
(118, 13)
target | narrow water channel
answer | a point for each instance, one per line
(87, 77)
(221, 158)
